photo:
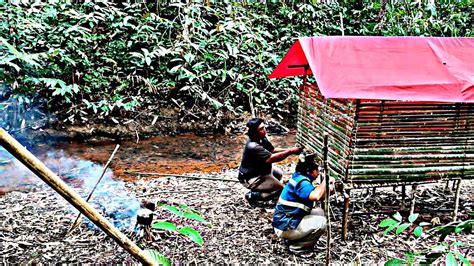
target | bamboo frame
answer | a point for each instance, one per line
(377, 143)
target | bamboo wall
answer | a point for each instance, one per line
(389, 140)
(316, 116)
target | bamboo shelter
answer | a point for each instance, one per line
(398, 110)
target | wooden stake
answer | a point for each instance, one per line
(342, 23)
(413, 199)
(456, 200)
(403, 197)
(75, 224)
(50, 178)
(345, 216)
(326, 200)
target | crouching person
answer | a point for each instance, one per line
(295, 220)
(256, 171)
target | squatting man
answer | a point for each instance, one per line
(256, 171)
(296, 219)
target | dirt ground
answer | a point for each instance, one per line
(33, 224)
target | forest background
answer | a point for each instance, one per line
(171, 67)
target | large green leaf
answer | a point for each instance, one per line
(465, 261)
(194, 216)
(397, 216)
(418, 231)
(412, 218)
(192, 234)
(390, 228)
(173, 209)
(165, 225)
(387, 222)
(402, 228)
(158, 257)
(450, 260)
(394, 262)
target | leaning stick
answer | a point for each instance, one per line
(181, 191)
(50, 178)
(75, 224)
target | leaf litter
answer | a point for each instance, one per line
(33, 225)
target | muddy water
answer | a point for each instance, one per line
(165, 154)
(170, 154)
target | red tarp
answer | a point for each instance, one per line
(386, 68)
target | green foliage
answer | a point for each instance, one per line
(164, 225)
(192, 234)
(394, 262)
(449, 251)
(158, 257)
(182, 211)
(396, 222)
(185, 212)
(101, 59)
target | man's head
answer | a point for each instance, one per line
(256, 129)
(307, 166)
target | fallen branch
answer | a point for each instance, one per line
(185, 176)
(76, 221)
(180, 191)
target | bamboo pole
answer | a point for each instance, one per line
(456, 200)
(326, 200)
(50, 178)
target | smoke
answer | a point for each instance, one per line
(24, 118)
(25, 122)
(14, 174)
(110, 197)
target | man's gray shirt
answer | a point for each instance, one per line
(253, 160)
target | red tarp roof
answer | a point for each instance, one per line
(390, 68)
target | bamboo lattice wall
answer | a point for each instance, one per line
(389, 140)
(315, 116)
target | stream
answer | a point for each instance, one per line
(180, 154)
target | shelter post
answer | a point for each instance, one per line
(456, 199)
(327, 207)
(345, 216)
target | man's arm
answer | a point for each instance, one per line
(277, 150)
(320, 191)
(282, 155)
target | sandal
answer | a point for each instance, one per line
(303, 254)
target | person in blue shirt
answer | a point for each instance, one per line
(295, 219)
(256, 171)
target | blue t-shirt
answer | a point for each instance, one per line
(303, 190)
(287, 214)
